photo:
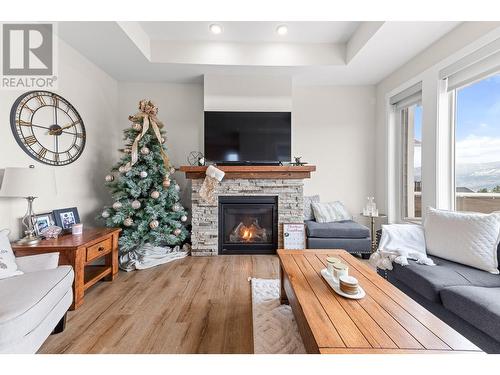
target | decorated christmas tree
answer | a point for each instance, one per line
(146, 197)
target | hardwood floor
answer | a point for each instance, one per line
(193, 305)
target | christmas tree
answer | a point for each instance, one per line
(146, 197)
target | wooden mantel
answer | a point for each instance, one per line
(254, 171)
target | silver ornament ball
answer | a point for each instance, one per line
(176, 207)
(117, 205)
(143, 174)
(184, 218)
(136, 205)
(145, 150)
(155, 194)
(177, 231)
(166, 182)
(128, 222)
(154, 224)
(105, 214)
(109, 178)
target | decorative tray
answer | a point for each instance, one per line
(335, 286)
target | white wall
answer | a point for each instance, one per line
(180, 108)
(333, 128)
(424, 68)
(94, 95)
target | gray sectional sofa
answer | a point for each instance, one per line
(466, 298)
(347, 235)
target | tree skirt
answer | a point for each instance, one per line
(150, 256)
(274, 327)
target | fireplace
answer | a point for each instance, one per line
(248, 224)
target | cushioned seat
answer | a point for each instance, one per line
(480, 306)
(428, 281)
(27, 305)
(338, 229)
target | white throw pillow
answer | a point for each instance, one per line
(463, 237)
(308, 211)
(8, 266)
(330, 212)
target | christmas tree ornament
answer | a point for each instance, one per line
(105, 214)
(155, 194)
(128, 222)
(176, 207)
(177, 231)
(184, 218)
(154, 224)
(122, 169)
(143, 174)
(137, 127)
(145, 150)
(109, 178)
(136, 204)
(117, 205)
(166, 182)
(172, 170)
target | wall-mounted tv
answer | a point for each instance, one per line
(248, 137)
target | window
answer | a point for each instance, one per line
(411, 173)
(477, 145)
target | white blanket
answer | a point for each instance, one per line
(400, 242)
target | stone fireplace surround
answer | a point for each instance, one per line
(284, 182)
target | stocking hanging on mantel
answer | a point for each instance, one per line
(146, 197)
(212, 179)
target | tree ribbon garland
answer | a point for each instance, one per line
(147, 116)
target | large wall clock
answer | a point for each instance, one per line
(47, 127)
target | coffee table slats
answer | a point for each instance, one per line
(346, 328)
(438, 328)
(323, 330)
(385, 321)
(370, 327)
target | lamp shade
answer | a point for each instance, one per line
(28, 182)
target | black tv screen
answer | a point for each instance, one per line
(248, 137)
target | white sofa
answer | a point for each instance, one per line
(33, 304)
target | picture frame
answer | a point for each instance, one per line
(42, 221)
(66, 217)
(294, 236)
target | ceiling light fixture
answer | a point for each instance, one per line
(282, 30)
(215, 28)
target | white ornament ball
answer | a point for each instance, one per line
(184, 218)
(177, 231)
(177, 187)
(166, 182)
(172, 170)
(143, 174)
(109, 178)
(117, 205)
(105, 214)
(128, 222)
(136, 205)
(145, 151)
(154, 224)
(137, 127)
(122, 169)
(155, 194)
(176, 207)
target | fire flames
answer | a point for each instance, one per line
(249, 233)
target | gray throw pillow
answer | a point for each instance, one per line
(308, 212)
(330, 212)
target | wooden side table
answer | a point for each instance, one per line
(79, 252)
(372, 228)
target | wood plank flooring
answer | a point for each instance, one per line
(193, 305)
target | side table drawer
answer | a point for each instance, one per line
(99, 249)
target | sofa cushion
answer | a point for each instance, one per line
(428, 281)
(330, 211)
(351, 245)
(338, 229)
(28, 298)
(479, 306)
(8, 265)
(308, 211)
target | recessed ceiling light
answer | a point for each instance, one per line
(282, 30)
(215, 28)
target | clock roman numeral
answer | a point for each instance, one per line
(42, 152)
(41, 100)
(68, 155)
(80, 135)
(31, 140)
(20, 122)
(56, 158)
(55, 101)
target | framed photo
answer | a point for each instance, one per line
(66, 217)
(294, 236)
(42, 221)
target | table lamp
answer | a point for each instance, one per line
(28, 183)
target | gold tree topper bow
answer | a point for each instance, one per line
(147, 116)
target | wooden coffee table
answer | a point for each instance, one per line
(385, 321)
